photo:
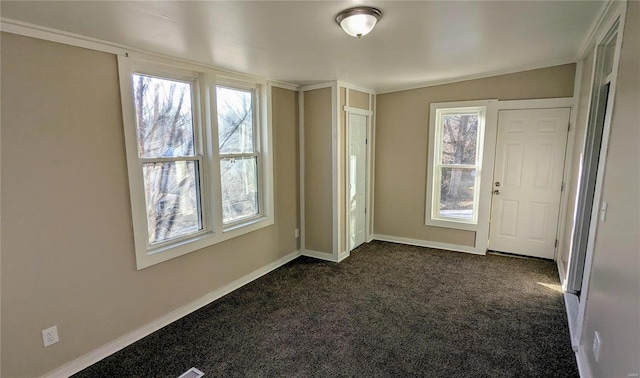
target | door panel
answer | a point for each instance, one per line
(357, 178)
(530, 153)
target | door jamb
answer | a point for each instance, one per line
(618, 17)
(367, 113)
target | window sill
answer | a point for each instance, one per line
(147, 257)
(451, 224)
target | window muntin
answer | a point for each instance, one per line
(457, 162)
(239, 157)
(167, 150)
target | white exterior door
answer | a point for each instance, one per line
(529, 164)
(356, 195)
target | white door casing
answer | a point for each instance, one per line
(530, 152)
(357, 180)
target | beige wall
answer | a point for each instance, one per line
(318, 177)
(67, 239)
(613, 307)
(359, 99)
(580, 131)
(284, 104)
(401, 144)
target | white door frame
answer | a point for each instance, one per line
(613, 16)
(563, 102)
(562, 135)
(367, 113)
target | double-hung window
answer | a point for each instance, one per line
(455, 166)
(169, 152)
(238, 154)
(199, 171)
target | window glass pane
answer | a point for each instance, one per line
(459, 138)
(235, 120)
(239, 188)
(163, 116)
(457, 188)
(172, 198)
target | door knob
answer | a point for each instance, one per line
(496, 192)
(497, 184)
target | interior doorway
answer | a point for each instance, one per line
(357, 141)
(529, 165)
(586, 205)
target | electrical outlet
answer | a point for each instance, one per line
(297, 232)
(50, 336)
(596, 346)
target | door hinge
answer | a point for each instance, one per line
(365, 210)
(366, 141)
(569, 126)
(556, 245)
(562, 187)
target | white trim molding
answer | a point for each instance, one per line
(283, 85)
(301, 162)
(357, 111)
(336, 169)
(606, 12)
(428, 244)
(41, 32)
(619, 18)
(572, 306)
(583, 365)
(324, 255)
(547, 103)
(54, 35)
(91, 358)
(343, 255)
(313, 87)
(342, 84)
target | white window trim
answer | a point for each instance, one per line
(486, 147)
(257, 122)
(204, 113)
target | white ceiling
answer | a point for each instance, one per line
(415, 43)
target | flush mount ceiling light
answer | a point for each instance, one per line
(358, 21)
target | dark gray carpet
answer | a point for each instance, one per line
(388, 310)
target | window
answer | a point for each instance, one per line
(196, 148)
(455, 161)
(168, 152)
(239, 160)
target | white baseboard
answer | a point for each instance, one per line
(583, 364)
(130, 338)
(427, 243)
(562, 273)
(324, 256)
(572, 306)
